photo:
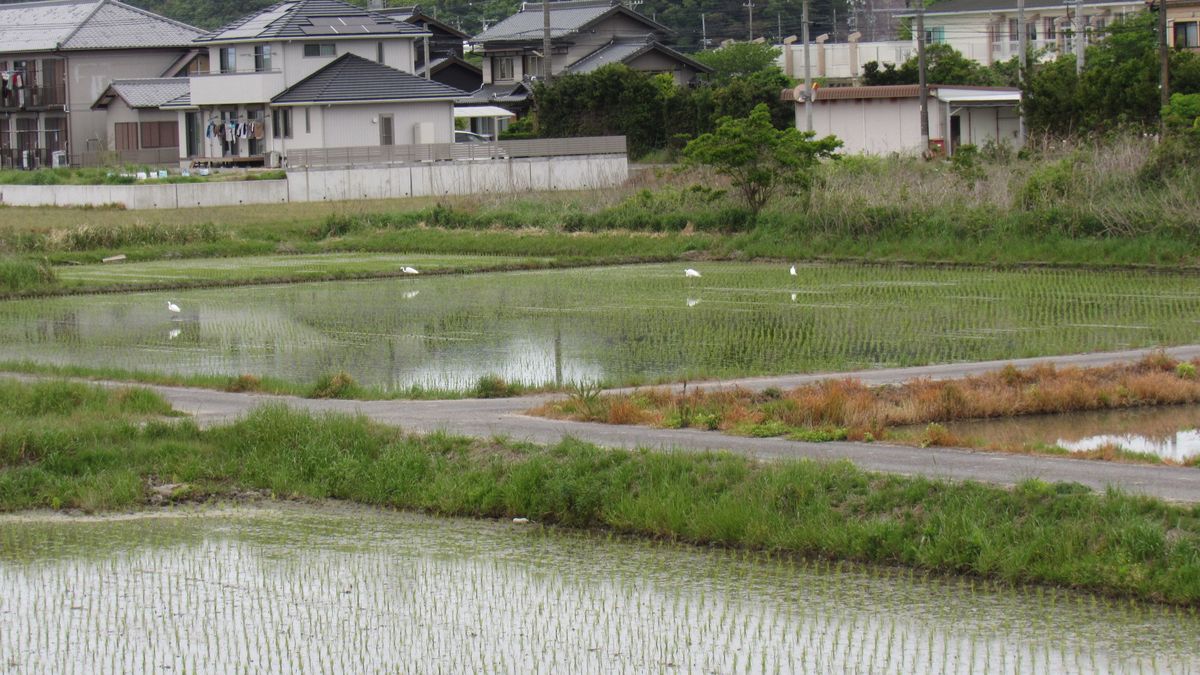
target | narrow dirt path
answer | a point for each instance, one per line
(505, 417)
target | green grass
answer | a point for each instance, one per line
(85, 450)
(322, 387)
(20, 275)
(118, 176)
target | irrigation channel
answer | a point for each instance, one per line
(341, 589)
(617, 325)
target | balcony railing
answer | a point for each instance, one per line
(386, 155)
(35, 98)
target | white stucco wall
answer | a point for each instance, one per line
(118, 112)
(90, 73)
(969, 32)
(872, 126)
(346, 126)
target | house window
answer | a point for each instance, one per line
(320, 49)
(127, 135)
(160, 135)
(1014, 30)
(387, 132)
(1031, 31)
(228, 59)
(262, 59)
(1185, 34)
(935, 35)
(281, 123)
(1049, 29)
(533, 66)
(502, 68)
(5, 142)
(307, 121)
(379, 52)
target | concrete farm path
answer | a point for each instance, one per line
(506, 418)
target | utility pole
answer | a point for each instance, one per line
(546, 47)
(922, 80)
(1164, 56)
(808, 90)
(428, 65)
(750, 8)
(1022, 64)
(703, 32)
(1080, 37)
(778, 27)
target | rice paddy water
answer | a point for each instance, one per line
(341, 589)
(1167, 432)
(618, 325)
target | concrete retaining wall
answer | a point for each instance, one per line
(182, 195)
(410, 180)
(459, 178)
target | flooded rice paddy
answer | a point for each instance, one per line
(638, 324)
(296, 589)
(1171, 432)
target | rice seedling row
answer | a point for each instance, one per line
(620, 325)
(302, 590)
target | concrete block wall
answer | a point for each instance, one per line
(412, 180)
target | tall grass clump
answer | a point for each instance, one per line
(17, 274)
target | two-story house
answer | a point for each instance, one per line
(298, 74)
(1183, 24)
(585, 35)
(446, 62)
(58, 56)
(987, 31)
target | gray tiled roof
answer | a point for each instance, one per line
(87, 24)
(184, 101)
(308, 19)
(496, 93)
(150, 93)
(352, 78)
(567, 17)
(973, 6)
(624, 51)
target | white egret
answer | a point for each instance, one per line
(409, 270)
(691, 273)
(411, 294)
(173, 308)
(793, 297)
(793, 270)
(692, 302)
(174, 333)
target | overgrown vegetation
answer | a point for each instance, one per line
(119, 176)
(83, 449)
(848, 409)
(18, 274)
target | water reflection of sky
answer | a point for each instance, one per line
(1180, 447)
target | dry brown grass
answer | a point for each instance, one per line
(865, 411)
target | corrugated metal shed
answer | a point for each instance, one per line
(87, 24)
(310, 19)
(351, 78)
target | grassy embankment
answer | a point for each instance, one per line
(122, 176)
(66, 445)
(1091, 205)
(849, 410)
(340, 385)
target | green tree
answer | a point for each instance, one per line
(1119, 85)
(944, 65)
(759, 159)
(613, 100)
(742, 59)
